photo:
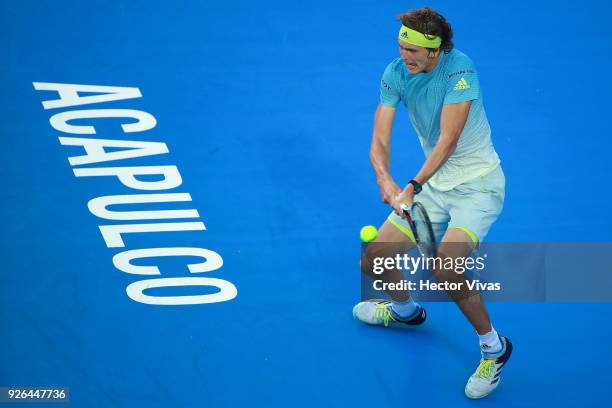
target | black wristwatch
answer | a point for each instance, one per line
(417, 186)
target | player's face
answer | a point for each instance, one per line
(417, 59)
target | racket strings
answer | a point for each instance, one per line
(426, 238)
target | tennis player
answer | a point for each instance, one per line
(461, 183)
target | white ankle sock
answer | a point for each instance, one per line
(404, 309)
(490, 342)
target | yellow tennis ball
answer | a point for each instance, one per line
(368, 233)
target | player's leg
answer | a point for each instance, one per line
(401, 310)
(395, 238)
(474, 207)
(495, 349)
(392, 239)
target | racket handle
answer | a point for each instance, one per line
(406, 210)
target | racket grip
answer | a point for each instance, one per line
(406, 210)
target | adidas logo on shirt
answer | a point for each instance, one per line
(461, 84)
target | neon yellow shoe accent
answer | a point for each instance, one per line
(470, 233)
(403, 229)
(383, 313)
(461, 84)
(485, 369)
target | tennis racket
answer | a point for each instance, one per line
(421, 229)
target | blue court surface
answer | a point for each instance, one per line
(266, 109)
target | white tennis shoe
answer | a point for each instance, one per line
(487, 375)
(379, 312)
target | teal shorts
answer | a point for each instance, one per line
(472, 206)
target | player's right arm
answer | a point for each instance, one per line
(380, 152)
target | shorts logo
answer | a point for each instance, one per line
(461, 84)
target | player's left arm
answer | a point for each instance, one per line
(452, 121)
(455, 111)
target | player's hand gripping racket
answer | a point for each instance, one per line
(421, 229)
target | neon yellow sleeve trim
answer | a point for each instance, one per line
(414, 37)
(402, 229)
(470, 233)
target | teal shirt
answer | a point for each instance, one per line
(453, 80)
